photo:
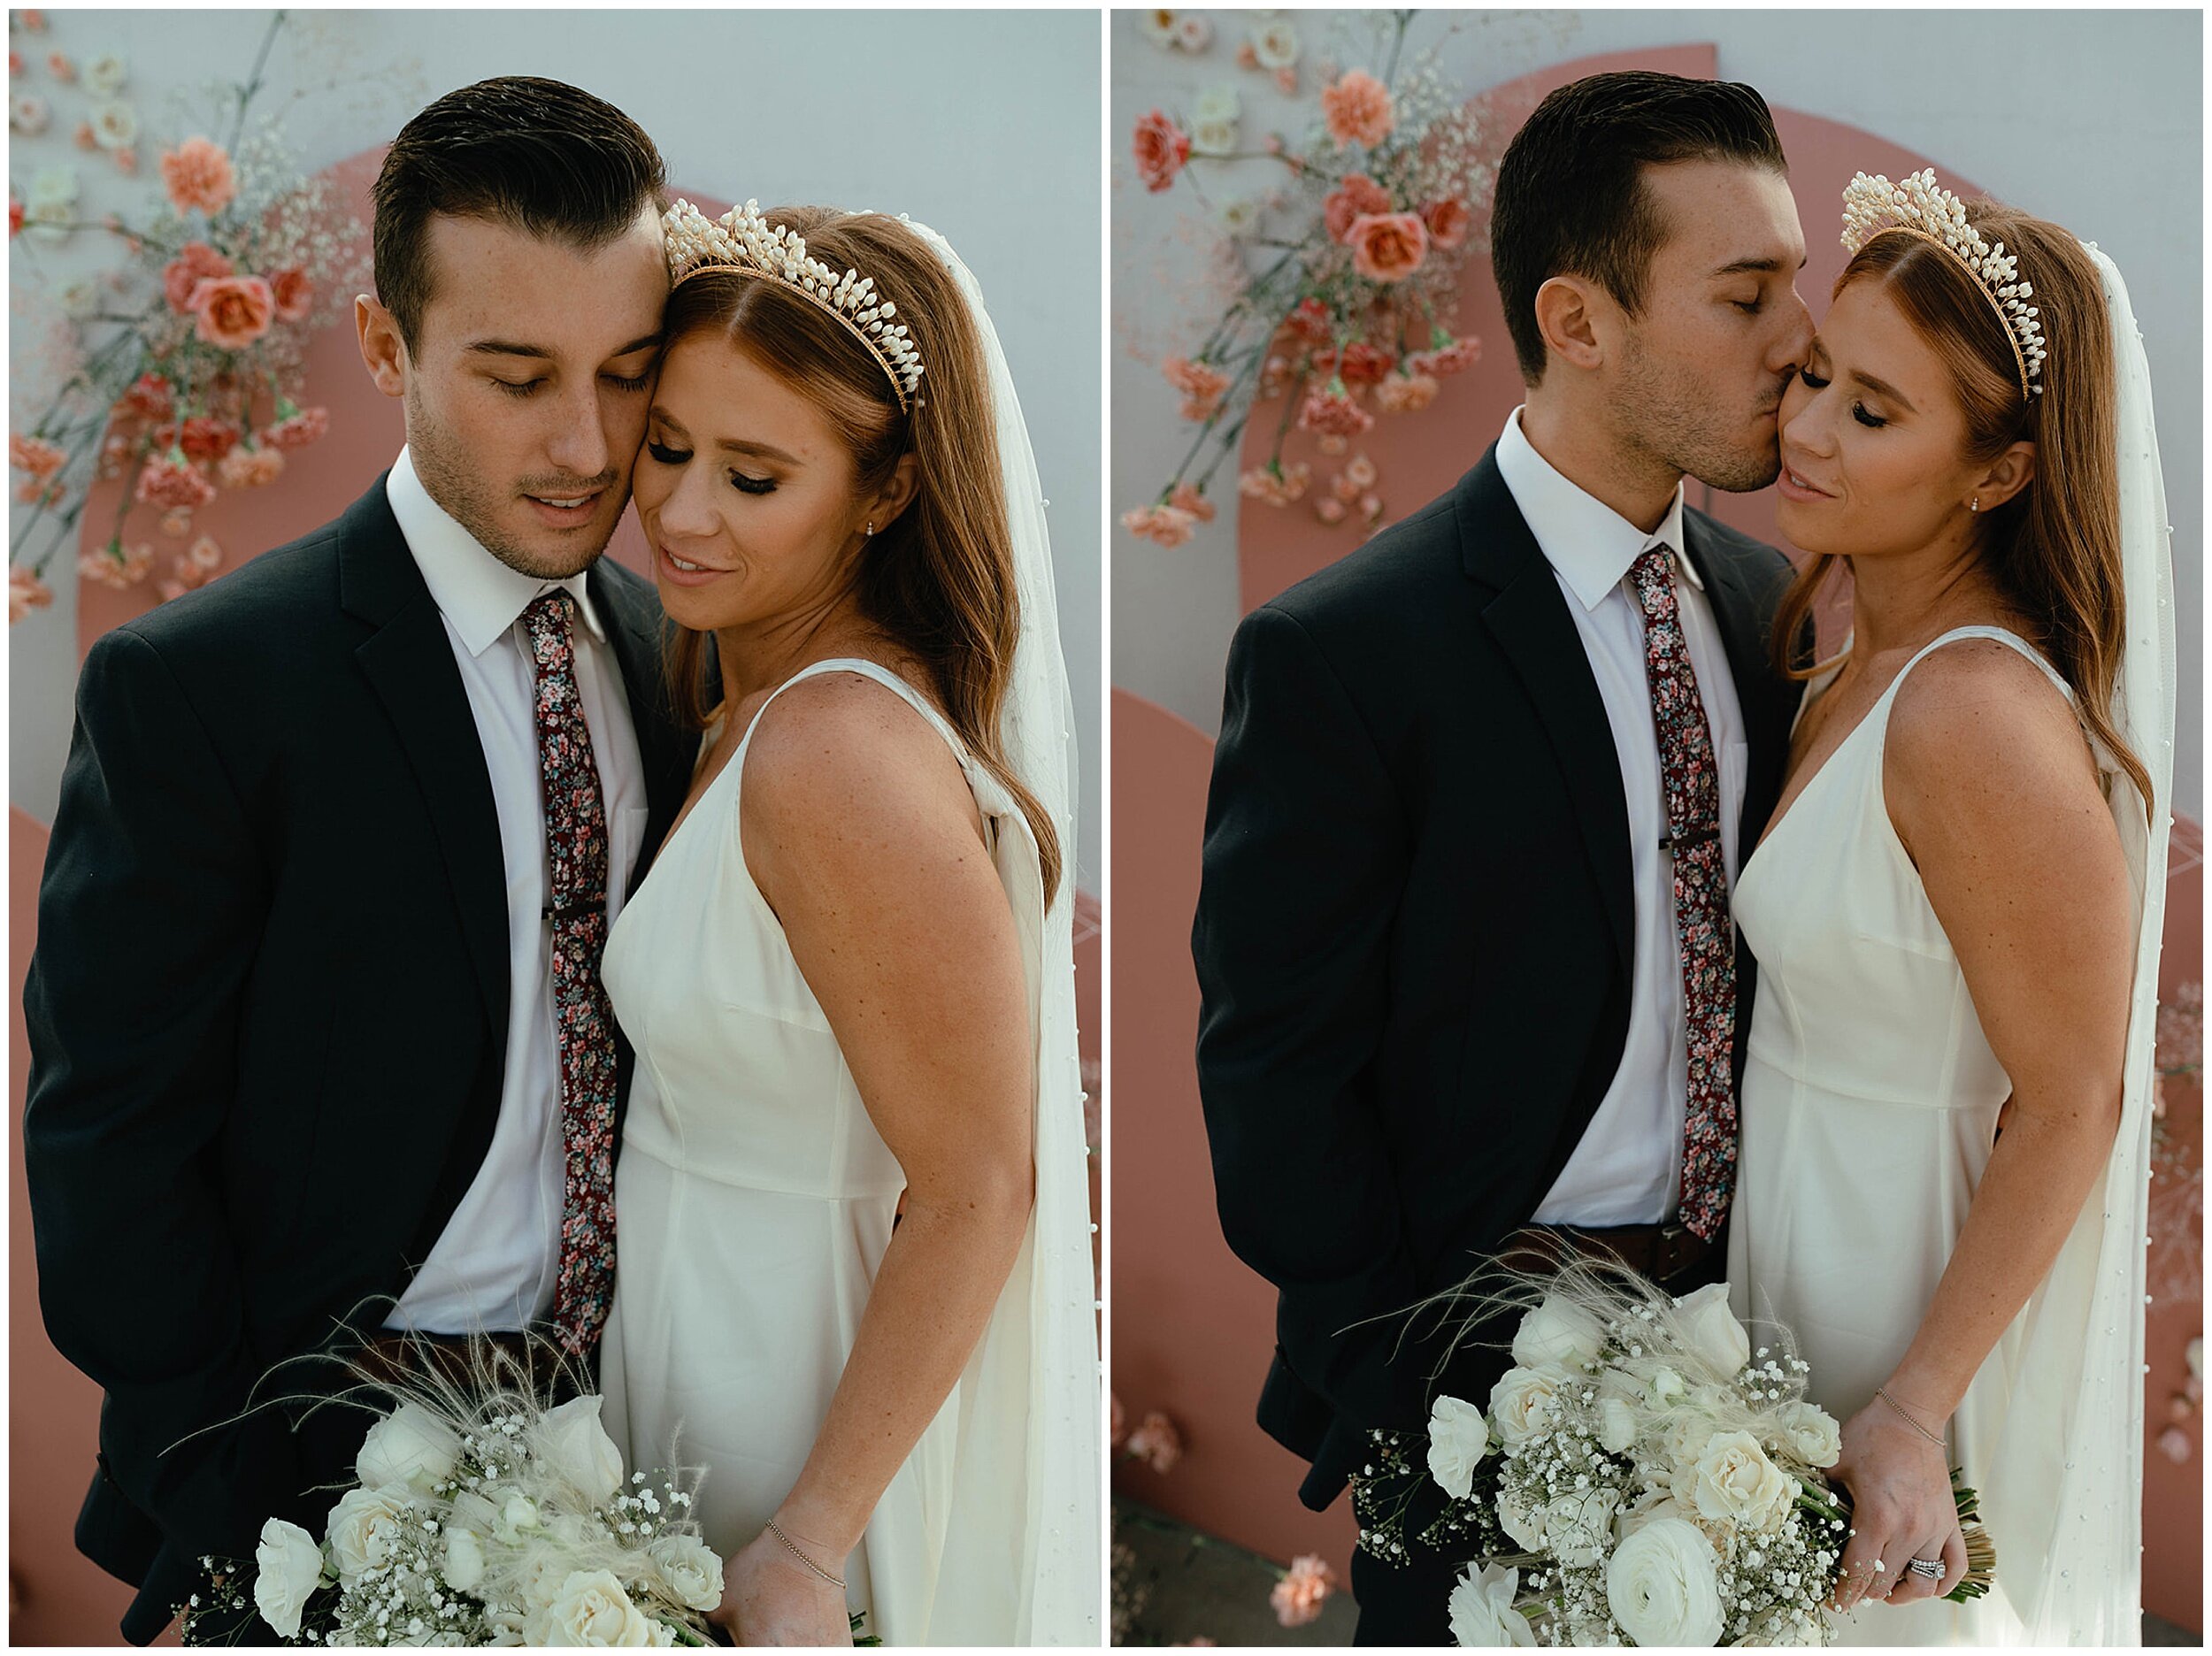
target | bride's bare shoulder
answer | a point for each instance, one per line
(844, 748)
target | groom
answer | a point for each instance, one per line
(1470, 987)
(316, 1030)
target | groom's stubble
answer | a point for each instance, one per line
(1677, 424)
(477, 502)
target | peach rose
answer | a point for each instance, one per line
(26, 593)
(232, 311)
(35, 456)
(198, 176)
(1356, 197)
(1406, 393)
(293, 291)
(1357, 110)
(195, 262)
(170, 480)
(1388, 247)
(1162, 148)
(1448, 221)
(1298, 1597)
(250, 468)
(1185, 497)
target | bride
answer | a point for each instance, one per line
(854, 1280)
(1956, 909)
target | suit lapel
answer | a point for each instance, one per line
(1527, 615)
(409, 663)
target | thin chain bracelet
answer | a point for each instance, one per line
(776, 1530)
(1908, 1420)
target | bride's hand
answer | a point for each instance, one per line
(1902, 1509)
(769, 1598)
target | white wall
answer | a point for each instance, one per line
(2093, 119)
(983, 124)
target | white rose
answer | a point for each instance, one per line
(364, 1528)
(1525, 1402)
(114, 125)
(591, 1608)
(1241, 216)
(1662, 1586)
(571, 1442)
(1733, 1480)
(1579, 1527)
(464, 1560)
(1617, 1424)
(1193, 33)
(288, 1567)
(1276, 46)
(1213, 137)
(80, 298)
(1650, 1508)
(1458, 1440)
(409, 1445)
(692, 1570)
(1217, 103)
(1482, 1609)
(518, 1519)
(106, 74)
(52, 185)
(1526, 1528)
(1689, 1428)
(1709, 1329)
(1158, 26)
(1559, 1332)
(1666, 1388)
(1810, 1433)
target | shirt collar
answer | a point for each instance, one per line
(481, 596)
(1589, 544)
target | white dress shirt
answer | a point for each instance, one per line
(494, 1265)
(1627, 1170)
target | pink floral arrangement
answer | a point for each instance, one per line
(1304, 1588)
(1349, 275)
(184, 367)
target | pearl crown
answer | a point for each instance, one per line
(742, 240)
(1919, 206)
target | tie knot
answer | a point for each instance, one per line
(547, 618)
(1652, 573)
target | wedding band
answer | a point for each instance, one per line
(1930, 1569)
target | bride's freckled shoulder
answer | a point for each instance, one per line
(1978, 729)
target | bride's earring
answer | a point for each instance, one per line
(1976, 506)
(872, 524)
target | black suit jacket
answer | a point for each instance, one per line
(267, 1014)
(1414, 932)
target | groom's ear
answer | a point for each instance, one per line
(381, 347)
(2012, 472)
(1567, 313)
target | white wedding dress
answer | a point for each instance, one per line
(1869, 1107)
(755, 1202)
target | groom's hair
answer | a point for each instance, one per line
(540, 156)
(1571, 199)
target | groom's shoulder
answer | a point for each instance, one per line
(1762, 567)
(1402, 570)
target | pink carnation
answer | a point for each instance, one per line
(1329, 509)
(198, 176)
(298, 429)
(1117, 1426)
(26, 593)
(1331, 444)
(1388, 247)
(176, 525)
(1309, 320)
(1287, 80)
(181, 277)
(1299, 1596)
(1246, 59)
(1156, 1442)
(1167, 526)
(16, 211)
(34, 455)
(1363, 365)
(1276, 485)
(1404, 394)
(1455, 357)
(58, 64)
(1193, 33)
(1357, 110)
(1161, 147)
(1357, 198)
(126, 161)
(207, 437)
(1361, 471)
(250, 468)
(113, 566)
(150, 397)
(233, 311)
(1332, 412)
(1202, 385)
(1187, 497)
(170, 480)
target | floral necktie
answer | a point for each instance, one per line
(1701, 899)
(576, 911)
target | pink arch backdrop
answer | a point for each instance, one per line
(55, 1596)
(1193, 1327)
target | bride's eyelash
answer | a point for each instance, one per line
(1872, 422)
(738, 482)
(666, 455)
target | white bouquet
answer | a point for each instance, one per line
(481, 1516)
(1644, 1476)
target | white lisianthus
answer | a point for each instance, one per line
(571, 1442)
(464, 1558)
(1458, 1439)
(1710, 1329)
(1617, 1425)
(1213, 137)
(1523, 1403)
(1579, 1527)
(53, 185)
(1559, 1332)
(364, 1527)
(1239, 218)
(1733, 1480)
(1662, 1585)
(692, 1570)
(409, 1445)
(1276, 46)
(114, 125)
(1159, 27)
(106, 74)
(590, 1608)
(80, 297)
(287, 1568)
(1810, 1433)
(1482, 1609)
(1217, 103)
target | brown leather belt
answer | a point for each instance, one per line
(514, 1359)
(1660, 1252)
